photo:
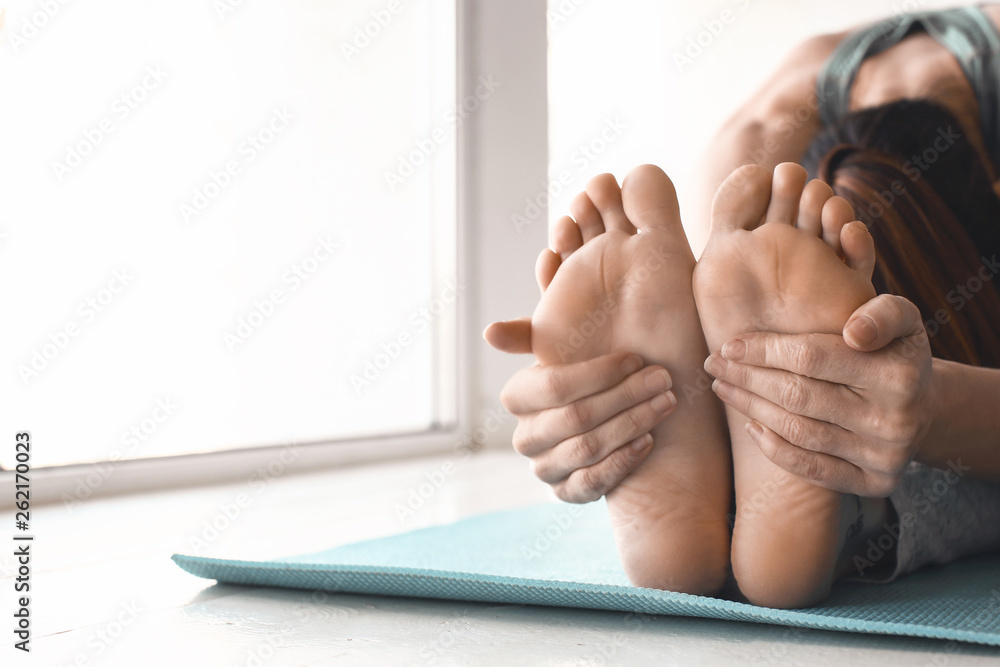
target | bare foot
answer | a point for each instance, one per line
(617, 289)
(772, 264)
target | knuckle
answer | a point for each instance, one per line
(584, 448)
(793, 428)
(813, 469)
(554, 387)
(520, 439)
(589, 485)
(805, 356)
(577, 416)
(794, 397)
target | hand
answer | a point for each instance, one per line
(585, 426)
(847, 413)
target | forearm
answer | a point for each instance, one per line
(965, 429)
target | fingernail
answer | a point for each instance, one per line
(658, 381)
(734, 350)
(861, 330)
(663, 402)
(642, 443)
(754, 429)
(715, 365)
(632, 364)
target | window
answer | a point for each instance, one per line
(227, 224)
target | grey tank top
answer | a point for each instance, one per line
(967, 32)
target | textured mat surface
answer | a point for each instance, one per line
(564, 555)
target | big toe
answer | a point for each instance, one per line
(650, 200)
(742, 199)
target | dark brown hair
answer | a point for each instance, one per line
(919, 184)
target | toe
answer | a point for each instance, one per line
(742, 199)
(786, 191)
(545, 268)
(564, 237)
(816, 194)
(650, 200)
(587, 217)
(607, 197)
(837, 212)
(859, 247)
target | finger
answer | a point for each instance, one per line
(814, 196)
(588, 484)
(550, 427)
(881, 321)
(586, 449)
(810, 434)
(512, 336)
(545, 268)
(821, 469)
(543, 387)
(818, 356)
(587, 217)
(565, 237)
(816, 399)
(859, 248)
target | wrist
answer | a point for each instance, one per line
(939, 392)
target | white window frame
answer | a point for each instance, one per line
(502, 159)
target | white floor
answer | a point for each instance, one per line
(106, 593)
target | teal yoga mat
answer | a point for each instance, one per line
(564, 556)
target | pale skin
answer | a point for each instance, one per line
(866, 398)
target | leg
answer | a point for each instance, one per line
(762, 272)
(611, 288)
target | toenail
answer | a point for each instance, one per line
(734, 350)
(716, 365)
(658, 381)
(663, 402)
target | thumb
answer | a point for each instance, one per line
(512, 336)
(880, 321)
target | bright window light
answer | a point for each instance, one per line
(225, 224)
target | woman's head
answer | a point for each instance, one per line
(923, 190)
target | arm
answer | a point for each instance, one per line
(966, 422)
(776, 125)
